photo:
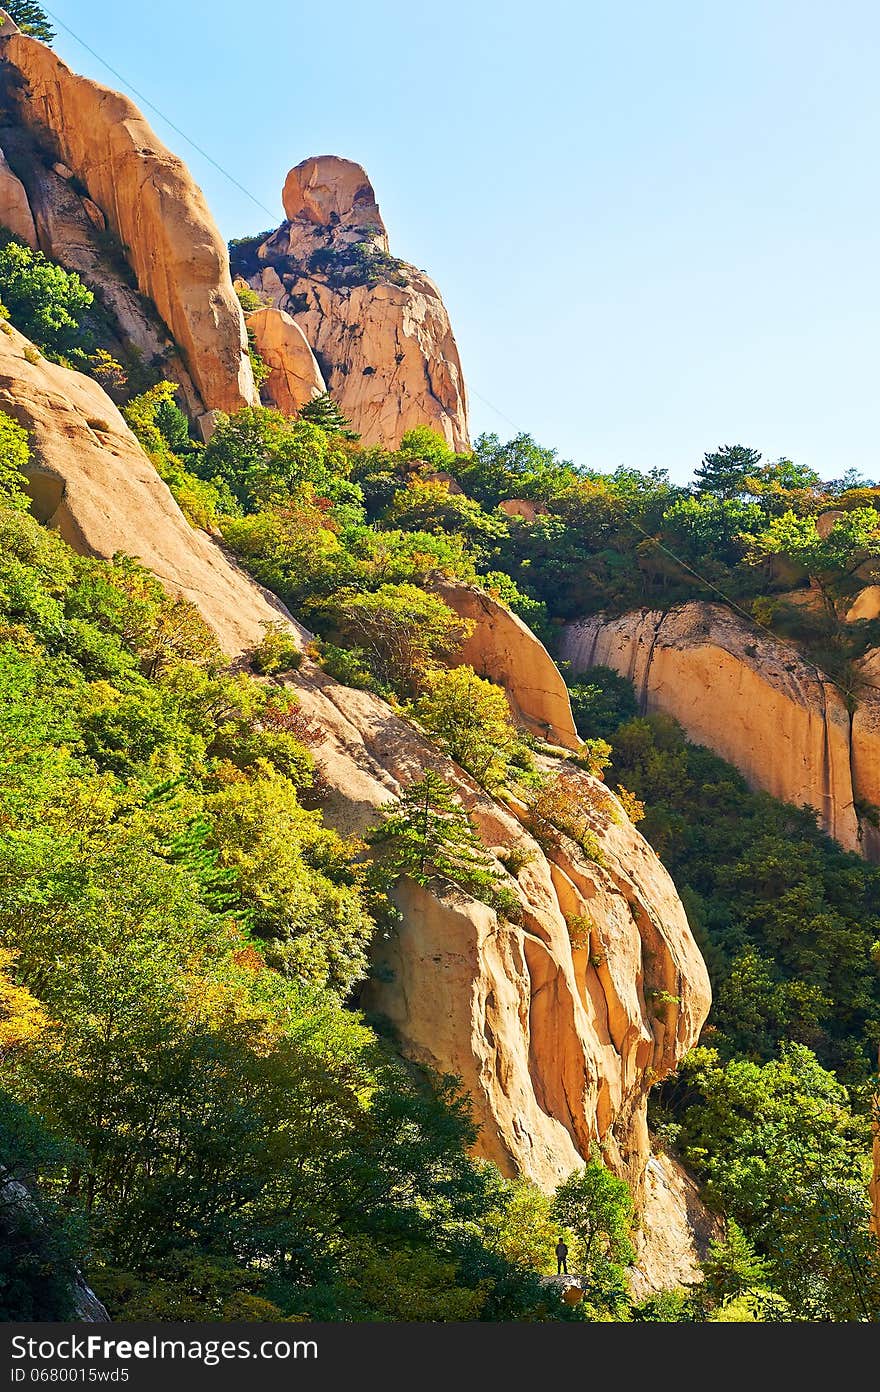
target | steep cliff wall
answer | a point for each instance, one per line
(752, 699)
(152, 204)
(379, 328)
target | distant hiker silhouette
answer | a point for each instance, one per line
(561, 1258)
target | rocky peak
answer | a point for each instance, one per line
(332, 192)
(377, 325)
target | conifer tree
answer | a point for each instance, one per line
(725, 470)
(323, 411)
(427, 835)
(31, 19)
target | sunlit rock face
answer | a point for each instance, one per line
(377, 326)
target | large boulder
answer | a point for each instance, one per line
(294, 377)
(378, 327)
(328, 190)
(505, 650)
(751, 698)
(152, 205)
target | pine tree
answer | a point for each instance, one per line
(31, 19)
(323, 411)
(725, 470)
(427, 835)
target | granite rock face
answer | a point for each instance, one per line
(151, 204)
(377, 326)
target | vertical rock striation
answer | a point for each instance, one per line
(752, 699)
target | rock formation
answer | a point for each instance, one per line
(92, 482)
(751, 698)
(151, 204)
(558, 1040)
(15, 212)
(295, 378)
(377, 326)
(504, 649)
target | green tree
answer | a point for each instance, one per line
(597, 1208)
(521, 468)
(323, 411)
(601, 700)
(47, 303)
(732, 1267)
(31, 19)
(427, 835)
(15, 456)
(725, 470)
(401, 631)
(423, 443)
(471, 719)
(782, 1154)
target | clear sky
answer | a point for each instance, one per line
(654, 222)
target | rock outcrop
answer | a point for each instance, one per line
(504, 649)
(295, 377)
(673, 1236)
(754, 701)
(557, 1040)
(15, 210)
(151, 204)
(377, 326)
(92, 482)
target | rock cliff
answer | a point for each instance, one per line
(294, 376)
(93, 483)
(151, 204)
(377, 326)
(752, 699)
(557, 1038)
(504, 649)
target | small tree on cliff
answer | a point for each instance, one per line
(427, 835)
(31, 19)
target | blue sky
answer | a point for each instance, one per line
(655, 225)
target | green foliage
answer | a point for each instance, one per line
(402, 631)
(163, 433)
(427, 446)
(780, 1150)
(597, 1208)
(263, 458)
(785, 918)
(323, 411)
(31, 19)
(601, 702)
(471, 720)
(427, 836)
(724, 471)
(15, 456)
(519, 469)
(45, 302)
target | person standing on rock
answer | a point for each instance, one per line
(561, 1258)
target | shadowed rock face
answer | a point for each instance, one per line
(378, 327)
(752, 699)
(152, 204)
